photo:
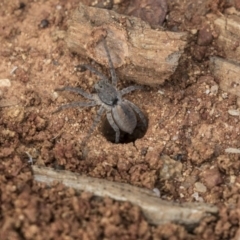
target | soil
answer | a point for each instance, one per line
(188, 121)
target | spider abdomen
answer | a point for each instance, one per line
(124, 117)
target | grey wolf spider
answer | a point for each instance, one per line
(121, 113)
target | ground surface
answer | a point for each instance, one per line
(188, 121)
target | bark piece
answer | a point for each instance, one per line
(228, 28)
(157, 211)
(227, 73)
(139, 53)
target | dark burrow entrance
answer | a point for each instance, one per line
(109, 133)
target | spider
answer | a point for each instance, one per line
(121, 113)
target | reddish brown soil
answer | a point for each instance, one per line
(189, 122)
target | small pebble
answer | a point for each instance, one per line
(234, 112)
(232, 179)
(200, 187)
(44, 23)
(47, 61)
(204, 36)
(195, 195)
(193, 31)
(5, 83)
(207, 91)
(54, 95)
(171, 168)
(157, 192)
(214, 89)
(224, 95)
(161, 92)
(211, 177)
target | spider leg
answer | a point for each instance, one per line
(114, 126)
(95, 122)
(130, 89)
(76, 90)
(112, 70)
(95, 71)
(139, 112)
(76, 104)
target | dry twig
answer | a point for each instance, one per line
(157, 211)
